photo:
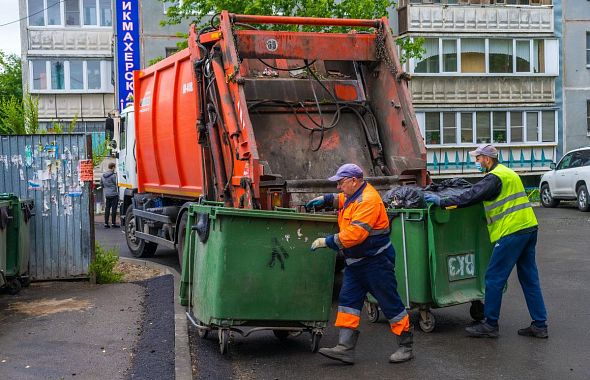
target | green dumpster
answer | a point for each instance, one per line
(5, 220)
(253, 268)
(441, 260)
(16, 263)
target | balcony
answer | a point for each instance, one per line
(473, 19)
(74, 41)
(482, 90)
(58, 106)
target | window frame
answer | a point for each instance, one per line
(106, 85)
(62, 12)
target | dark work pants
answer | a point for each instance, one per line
(111, 209)
(509, 251)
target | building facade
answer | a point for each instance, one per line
(576, 76)
(491, 73)
(68, 60)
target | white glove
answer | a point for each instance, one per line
(318, 243)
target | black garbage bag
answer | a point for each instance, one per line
(404, 197)
(449, 187)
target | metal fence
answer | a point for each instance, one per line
(46, 168)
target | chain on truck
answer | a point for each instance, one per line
(257, 118)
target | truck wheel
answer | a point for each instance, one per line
(137, 246)
(181, 237)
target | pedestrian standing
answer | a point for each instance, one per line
(512, 227)
(111, 194)
(370, 262)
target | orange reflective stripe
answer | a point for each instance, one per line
(350, 321)
(399, 327)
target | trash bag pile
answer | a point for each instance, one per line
(413, 196)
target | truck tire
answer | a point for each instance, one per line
(583, 198)
(547, 199)
(137, 246)
(181, 237)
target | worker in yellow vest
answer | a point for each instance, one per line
(512, 226)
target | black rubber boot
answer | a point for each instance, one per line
(405, 351)
(344, 350)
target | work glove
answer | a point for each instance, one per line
(432, 198)
(318, 243)
(317, 202)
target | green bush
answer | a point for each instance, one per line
(103, 266)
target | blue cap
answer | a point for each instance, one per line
(347, 171)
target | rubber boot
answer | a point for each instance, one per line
(344, 350)
(404, 352)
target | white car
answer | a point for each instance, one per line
(568, 180)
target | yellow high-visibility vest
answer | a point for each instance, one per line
(511, 211)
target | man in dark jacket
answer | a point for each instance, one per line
(111, 194)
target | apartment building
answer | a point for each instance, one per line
(491, 73)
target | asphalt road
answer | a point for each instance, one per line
(563, 256)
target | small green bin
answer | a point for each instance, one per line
(256, 269)
(5, 222)
(447, 253)
(16, 258)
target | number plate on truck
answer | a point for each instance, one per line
(461, 266)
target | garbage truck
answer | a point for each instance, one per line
(258, 119)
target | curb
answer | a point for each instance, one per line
(182, 358)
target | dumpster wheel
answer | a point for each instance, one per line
(372, 311)
(281, 334)
(14, 286)
(476, 310)
(315, 341)
(427, 321)
(224, 335)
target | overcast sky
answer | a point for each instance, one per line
(9, 34)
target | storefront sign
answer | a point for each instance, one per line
(127, 49)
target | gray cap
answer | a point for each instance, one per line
(485, 150)
(347, 171)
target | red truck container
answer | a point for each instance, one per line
(259, 119)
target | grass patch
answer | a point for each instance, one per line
(103, 266)
(533, 194)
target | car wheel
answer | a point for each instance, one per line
(583, 199)
(546, 199)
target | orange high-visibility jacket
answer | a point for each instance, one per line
(363, 222)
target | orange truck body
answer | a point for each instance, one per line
(237, 116)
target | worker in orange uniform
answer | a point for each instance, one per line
(370, 259)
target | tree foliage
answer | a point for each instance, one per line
(200, 11)
(10, 76)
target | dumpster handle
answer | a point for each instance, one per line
(210, 203)
(405, 251)
(285, 209)
(419, 219)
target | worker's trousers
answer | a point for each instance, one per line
(509, 251)
(373, 275)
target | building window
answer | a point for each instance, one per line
(77, 75)
(36, 12)
(539, 55)
(39, 75)
(499, 127)
(523, 56)
(449, 128)
(473, 55)
(89, 12)
(90, 76)
(72, 12)
(432, 127)
(482, 127)
(548, 125)
(449, 56)
(516, 127)
(57, 75)
(588, 115)
(532, 126)
(430, 59)
(467, 127)
(53, 12)
(500, 57)
(588, 48)
(93, 75)
(106, 13)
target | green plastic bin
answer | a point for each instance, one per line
(16, 262)
(5, 221)
(447, 253)
(256, 269)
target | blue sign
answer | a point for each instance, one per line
(127, 49)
